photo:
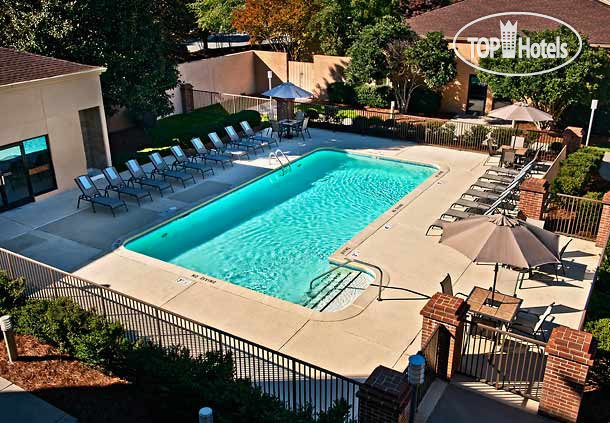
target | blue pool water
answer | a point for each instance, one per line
(275, 234)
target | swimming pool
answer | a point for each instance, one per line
(275, 234)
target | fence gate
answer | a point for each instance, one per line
(504, 360)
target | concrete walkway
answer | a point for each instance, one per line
(19, 406)
(351, 342)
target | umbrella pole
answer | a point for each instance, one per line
(493, 292)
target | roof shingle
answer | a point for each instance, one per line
(589, 17)
(19, 66)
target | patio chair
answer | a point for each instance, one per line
(245, 143)
(118, 185)
(245, 126)
(502, 171)
(138, 176)
(302, 129)
(557, 267)
(277, 128)
(518, 142)
(204, 154)
(492, 148)
(447, 287)
(299, 116)
(90, 193)
(507, 159)
(221, 148)
(182, 161)
(265, 136)
(531, 324)
(162, 169)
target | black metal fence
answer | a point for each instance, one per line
(452, 134)
(574, 216)
(436, 352)
(502, 359)
(295, 382)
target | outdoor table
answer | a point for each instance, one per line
(521, 151)
(289, 124)
(504, 313)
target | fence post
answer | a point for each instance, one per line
(604, 222)
(186, 93)
(533, 196)
(572, 138)
(384, 397)
(570, 354)
(450, 312)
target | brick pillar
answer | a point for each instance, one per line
(450, 312)
(533, 193)
(570, 354)
(384, 397)
(604, 222)
(186, 93)
(572, 137)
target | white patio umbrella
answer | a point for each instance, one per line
(287, 90)
(520, 112)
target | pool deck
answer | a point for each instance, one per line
(351, 342)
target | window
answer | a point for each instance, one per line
(39, 165)
(477, 94)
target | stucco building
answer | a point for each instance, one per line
(467, 94)
(52, 125)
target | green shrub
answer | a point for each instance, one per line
(474, 135)
(198, 123)
(425, 101)
(12, 293)
(360, 123)
(342, 93)
(373, 96)
(75, 331)
(577, 170)
(312, 114)
(601, 330)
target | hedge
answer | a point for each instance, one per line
(373, 96)
(341, 93)
(179, 382)
(577, 170)
(198, 124)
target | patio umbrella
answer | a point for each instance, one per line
(501, 239)
(520, 112)
(287, 90)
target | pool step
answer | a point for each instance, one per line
(338, 289)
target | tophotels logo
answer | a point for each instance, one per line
(509, 46)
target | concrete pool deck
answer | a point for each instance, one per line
(378, 332)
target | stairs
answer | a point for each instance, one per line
(337, 289)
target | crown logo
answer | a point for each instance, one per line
(508, 37)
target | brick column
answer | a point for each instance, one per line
(572, 137)
(533, 193)
(186, 93)
(450, 312)
(604, 222)
(570, 354)
(384, 397)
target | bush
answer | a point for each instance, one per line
(198, 124)
(474, 135)
(12, 293)
(312, 114)
(577, 170)
(601, 330)
(373, 96)
(342, 93)
(73, 330)
(425, 101)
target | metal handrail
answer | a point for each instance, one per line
(337, 266)
(288, 162)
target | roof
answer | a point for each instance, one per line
(19, 66)
(589, 17)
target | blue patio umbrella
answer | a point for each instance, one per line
(287, 90)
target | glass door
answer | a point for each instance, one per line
(15, 187)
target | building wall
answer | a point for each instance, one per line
(326, 70)
(50, 107)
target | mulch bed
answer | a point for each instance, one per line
(79, 390)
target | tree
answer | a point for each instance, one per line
(215, 15)
(390, 49)
(283, 24)
(412, 8)
(575, 84)
(138, 41)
